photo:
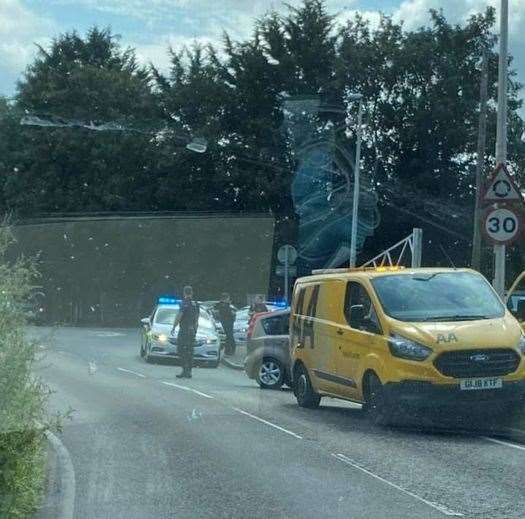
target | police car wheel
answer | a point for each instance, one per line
(303, 390)
(270, 374)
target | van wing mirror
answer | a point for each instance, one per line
(145, 321)
(357, 316)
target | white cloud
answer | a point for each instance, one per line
(415, 13)
(157, 51)
(162, 10)
(20, 29)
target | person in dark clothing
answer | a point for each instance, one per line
(226, 316)
(258, 306)
(188, 321)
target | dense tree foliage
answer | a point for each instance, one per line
(421, 91)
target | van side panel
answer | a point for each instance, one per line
(323, 356)
(302, 336)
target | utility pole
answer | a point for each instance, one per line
(480, 164)
(357, 171)
(501, 135)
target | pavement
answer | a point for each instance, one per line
(146, 444)
(236, 361)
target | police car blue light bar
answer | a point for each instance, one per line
(281, 303)
(167, 300)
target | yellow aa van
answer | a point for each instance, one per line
(389, 338)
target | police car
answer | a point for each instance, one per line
(158, 342)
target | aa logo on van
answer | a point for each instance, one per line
(451, 337)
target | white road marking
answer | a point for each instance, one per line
(108, 334)
(507, 444)
(186, 388)
(201, 393)
(132, 372)
(176, 385)
(441, 508)
(291, 433)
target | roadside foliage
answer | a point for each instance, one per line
(22, 396)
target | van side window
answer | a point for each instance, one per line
(356, 296)
(308, 326)
(300, 301)
(312, 305)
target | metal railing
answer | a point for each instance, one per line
(412, 243)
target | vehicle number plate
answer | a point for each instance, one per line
(474, 384)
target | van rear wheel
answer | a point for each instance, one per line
(303, 390)
(376, 406)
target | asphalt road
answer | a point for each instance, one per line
(145, 444)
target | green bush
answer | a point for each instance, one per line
(22, 396)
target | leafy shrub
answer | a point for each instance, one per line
(22, 396)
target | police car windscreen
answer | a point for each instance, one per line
(206, 322)
(166, 315)
(437, 296)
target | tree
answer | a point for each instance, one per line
(422, 100)
(71, 169)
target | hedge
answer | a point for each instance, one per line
(22, 396)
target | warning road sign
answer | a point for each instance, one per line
(502, 226)
(502, 187)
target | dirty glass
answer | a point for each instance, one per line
(437, 296)
(222, 151)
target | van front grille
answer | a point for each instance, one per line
(477, 363)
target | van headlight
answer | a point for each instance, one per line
(406, 349)
(521, 344)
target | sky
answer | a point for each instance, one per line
(151, 26)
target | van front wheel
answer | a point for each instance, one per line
(303, 390)
(376, 406)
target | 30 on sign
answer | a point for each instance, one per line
(502, 225)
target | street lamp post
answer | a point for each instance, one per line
(355, 205)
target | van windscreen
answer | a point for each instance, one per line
(437, 296)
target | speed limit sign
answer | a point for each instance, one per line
(503, 225)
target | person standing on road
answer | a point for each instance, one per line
(188, 321)
(226, 316)
(258, 306)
